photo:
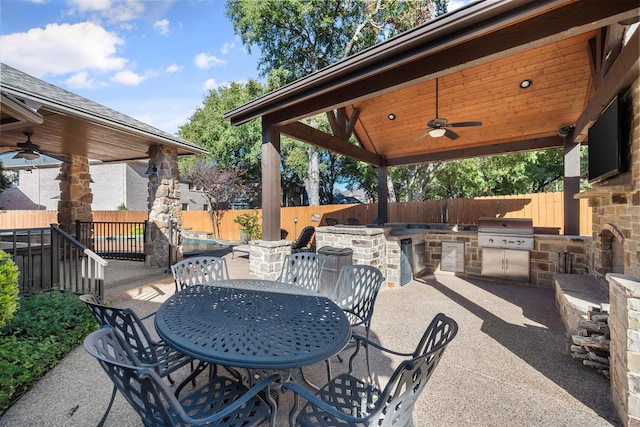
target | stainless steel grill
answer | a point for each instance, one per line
(506, 233)
(506, 244)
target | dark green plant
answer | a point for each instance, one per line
(249, 224)
(122, 207)
(44, 329)
(8, 288)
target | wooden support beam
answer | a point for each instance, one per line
(487, 150)
(310, 135)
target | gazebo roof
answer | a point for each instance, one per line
(570, 50)
(65, 123)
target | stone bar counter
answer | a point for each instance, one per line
(382, 246)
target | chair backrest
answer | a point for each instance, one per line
(303, 269)
(410, 377)
(356, 291)
(353, 221)
(304, 239)
(128, 324)
(200, 270)
(331, 221)
(142, 387)
(283, 233)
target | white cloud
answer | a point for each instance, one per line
(82, 80)
(162, 26)
(128, 78)
(62, 49)
(114, 11)
(227, 47)
(210, 84)
(174, 68)
(456, 4)
(203, 60)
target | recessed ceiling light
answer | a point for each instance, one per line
(391, 116)
(526, 83)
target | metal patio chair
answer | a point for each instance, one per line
(219, 401)
(303, 242)
(331, 221)
(356, 292)
(200, 270)
(303, 269)
(164, 358)
(346, 400)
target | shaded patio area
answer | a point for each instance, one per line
(507, 366)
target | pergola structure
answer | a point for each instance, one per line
(536, 73)
(39, 118)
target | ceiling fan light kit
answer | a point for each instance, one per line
(29, 149)
(439, 126)
(437, 133)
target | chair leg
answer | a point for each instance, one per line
(104, 417)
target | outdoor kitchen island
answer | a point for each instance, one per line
(396, 247)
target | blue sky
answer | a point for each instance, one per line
(154, 60)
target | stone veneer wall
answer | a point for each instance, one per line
(267, 257)
(75, 194)
(369, 248)
(624, 323)
(375, 246)
(616, 204)
(164, 205)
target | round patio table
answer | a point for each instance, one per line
(247, 327)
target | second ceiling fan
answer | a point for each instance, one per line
(440, 126)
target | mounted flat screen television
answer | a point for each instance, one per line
(608, 139)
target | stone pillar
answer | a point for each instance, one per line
(75, 193)
(267, 257)
(164, 206)
(624, 322)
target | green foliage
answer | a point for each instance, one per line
(45, 328)
(138, 231)
(229, 145)
(5, 182)
(250, 224)
(8, 288)
(122, 207)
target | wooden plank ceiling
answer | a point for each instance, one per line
(490, 93)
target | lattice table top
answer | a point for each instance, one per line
(252, 328)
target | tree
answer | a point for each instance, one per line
(229, 145)
(220, 186)
(303, 36)
(4, 181)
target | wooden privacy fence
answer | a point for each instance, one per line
(546, 210)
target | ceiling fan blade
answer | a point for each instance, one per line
(420, 137)
(450, 134)
(465, 124)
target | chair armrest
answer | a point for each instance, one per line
(314, 400)
(365, 341)
(249, 394)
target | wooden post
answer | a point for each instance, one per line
(271, 187)
(571, 188)
(383, 193)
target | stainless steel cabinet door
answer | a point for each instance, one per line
(492, 262)
(516, 265)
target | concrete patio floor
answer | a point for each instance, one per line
(508, 365)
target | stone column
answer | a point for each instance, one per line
(164, 206)
(266, 258)
(624, 322)
(75, 193)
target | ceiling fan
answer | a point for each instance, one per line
(440, 126)
(29, 150)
